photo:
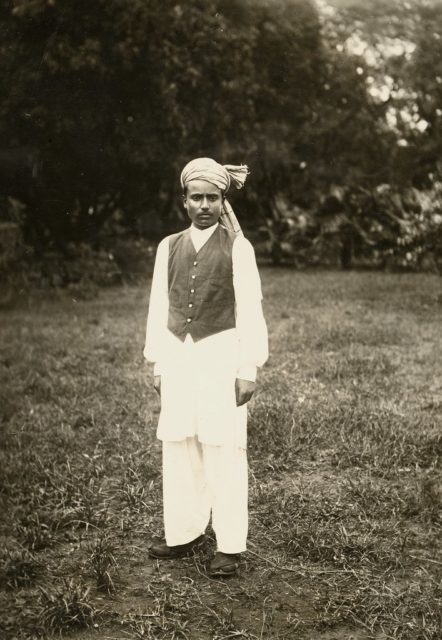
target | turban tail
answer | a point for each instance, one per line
(221, 176)
(228, 218)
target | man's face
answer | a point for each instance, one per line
(204, 202)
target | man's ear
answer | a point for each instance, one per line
(185, 201)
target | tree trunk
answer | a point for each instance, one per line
(347, 249)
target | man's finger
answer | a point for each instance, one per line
(244, 391)
(243, 398)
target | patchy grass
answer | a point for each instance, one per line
(67, 607)
(345, 449)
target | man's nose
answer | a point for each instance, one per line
(204, 204)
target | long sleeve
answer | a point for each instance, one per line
(156, 328)
(250, 324)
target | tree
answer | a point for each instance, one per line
(116, 95)
(427, 73)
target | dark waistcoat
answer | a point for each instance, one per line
(201, 294)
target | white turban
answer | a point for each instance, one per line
(221, 176)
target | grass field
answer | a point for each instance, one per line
(345, 471)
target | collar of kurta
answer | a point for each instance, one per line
(200, 236)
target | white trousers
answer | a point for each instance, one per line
(200, 479)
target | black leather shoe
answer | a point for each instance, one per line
(224, 564)
(161, 551)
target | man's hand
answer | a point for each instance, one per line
(157, 384)
(244, 390)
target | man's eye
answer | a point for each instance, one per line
(196, 198)
(213, 198)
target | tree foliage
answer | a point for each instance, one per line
(107, 100)
(427, 72)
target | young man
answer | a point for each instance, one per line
(206, 335)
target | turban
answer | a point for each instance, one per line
(221, 176)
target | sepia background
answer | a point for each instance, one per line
(336, 107)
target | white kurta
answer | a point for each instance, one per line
(198, 378)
